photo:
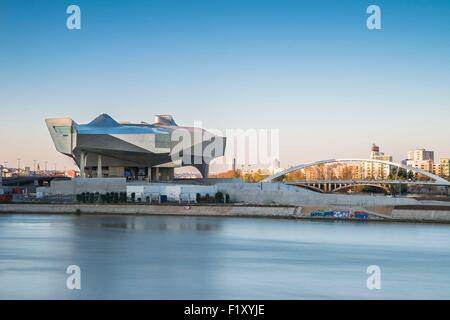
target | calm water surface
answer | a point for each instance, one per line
(127, 257)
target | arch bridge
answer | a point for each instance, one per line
(336, 185)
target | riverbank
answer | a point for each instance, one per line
(426, 214)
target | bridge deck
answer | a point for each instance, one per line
(367, 182)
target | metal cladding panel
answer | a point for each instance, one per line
(105, 143)
(126, 159)
(61, 131)
(143, 141)
(122, 129)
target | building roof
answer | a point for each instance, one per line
(105, 124)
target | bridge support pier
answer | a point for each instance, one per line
(83, 160)
(157, 174)
(99, 166)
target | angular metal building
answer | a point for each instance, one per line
(107, 148)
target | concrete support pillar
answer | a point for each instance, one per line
(99, 166)
(83, 158)
(157, 174)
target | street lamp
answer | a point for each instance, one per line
(18, 166)
(5, 163)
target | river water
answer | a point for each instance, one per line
(131, 257)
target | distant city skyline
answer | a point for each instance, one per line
(308, 68)
(69, 164)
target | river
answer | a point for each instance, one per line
(159, 257)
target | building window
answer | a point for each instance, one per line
(163, 141)
(64, 130)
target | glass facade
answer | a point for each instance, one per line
(163, 141)
(64, 130)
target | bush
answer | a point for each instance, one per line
(108, 197)
(218, 197)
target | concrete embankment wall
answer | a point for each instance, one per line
(410, 215)
(248, 193)
(260, 199)
(279, 193)
(284, 212)
(251, 193)
(421, 215)
(80, 185)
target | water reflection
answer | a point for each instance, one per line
(162, 226)
(126, 257)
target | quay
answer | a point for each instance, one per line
(405, 213)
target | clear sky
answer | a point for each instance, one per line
(310, 68)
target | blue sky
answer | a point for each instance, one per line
(310, 68)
